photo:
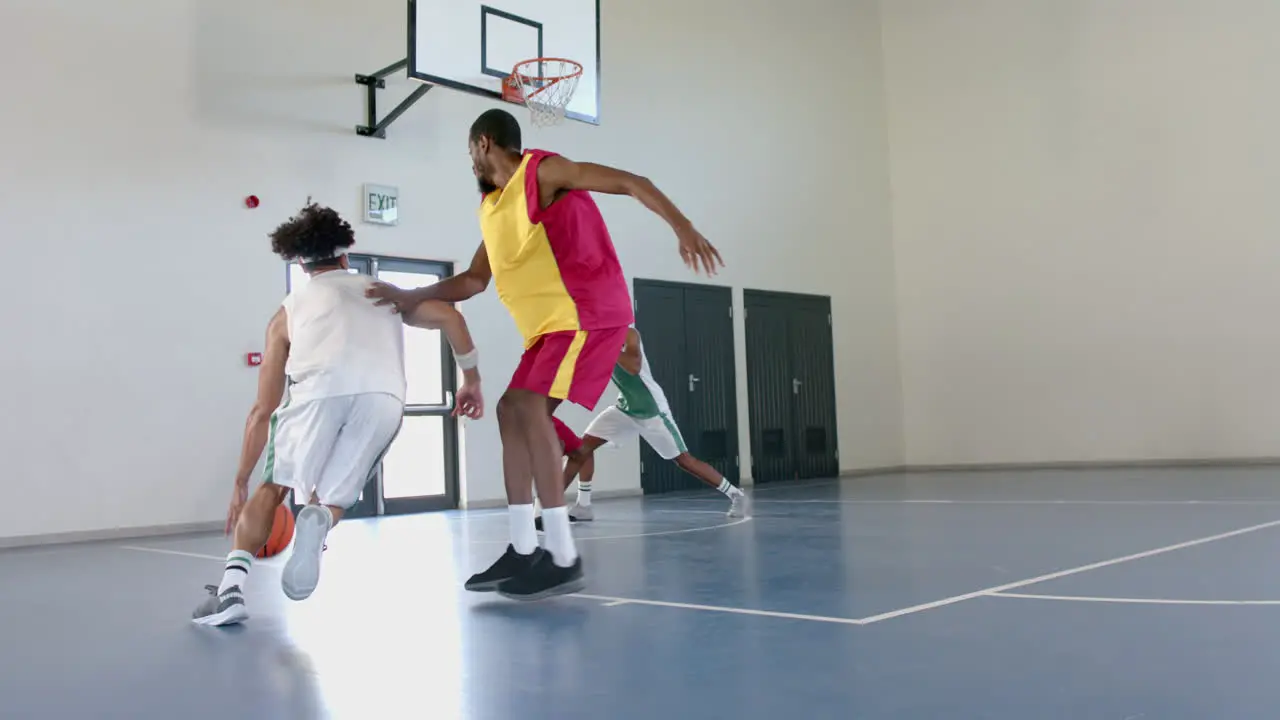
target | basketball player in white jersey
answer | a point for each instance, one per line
(642, 410)
(342, 358)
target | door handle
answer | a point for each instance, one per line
(448, 399)
(795, 386)
(693, 379)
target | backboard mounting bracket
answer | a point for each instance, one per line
(373, 82)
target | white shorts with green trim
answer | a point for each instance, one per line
(331, 446)
(659, 431)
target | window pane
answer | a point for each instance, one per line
(414, 466)
(421, 348)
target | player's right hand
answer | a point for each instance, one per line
(384, 294)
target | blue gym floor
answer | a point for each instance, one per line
(1125, 595)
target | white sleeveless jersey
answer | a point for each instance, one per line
(340, 343)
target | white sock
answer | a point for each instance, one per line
(728, 489)
(584, 494)
(555, 523)
(523, 536)
(239, 563)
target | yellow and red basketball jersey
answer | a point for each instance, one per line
(555, 269)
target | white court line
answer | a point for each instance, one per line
(1064, 573)
(687, 512)
(682, 531)
(610, 601)
(1131, 601)
(139, 548)
(795, 485)
(994, 502)
(578, 538)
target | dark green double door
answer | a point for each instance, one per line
(687, 331)
(790, 386)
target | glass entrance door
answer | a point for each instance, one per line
(419, 471)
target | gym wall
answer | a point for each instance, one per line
(1085, 225)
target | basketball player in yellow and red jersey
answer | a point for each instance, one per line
(547, 249)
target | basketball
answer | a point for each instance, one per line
(281, 533)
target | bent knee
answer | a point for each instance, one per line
(521, 406)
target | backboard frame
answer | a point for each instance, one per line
(416, 74)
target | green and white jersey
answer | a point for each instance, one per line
(639, 396)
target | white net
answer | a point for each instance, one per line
(546, 85)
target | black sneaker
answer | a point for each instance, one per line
(544, 579)
(506, 567)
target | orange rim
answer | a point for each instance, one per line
(547, 80)
(552, 78)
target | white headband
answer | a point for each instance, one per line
(337, 253)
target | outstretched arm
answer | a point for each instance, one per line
(271, 382)
(557, 174)
(438, 315)
(463, 286)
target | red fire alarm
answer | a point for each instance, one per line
(253, 359)
(251, 202)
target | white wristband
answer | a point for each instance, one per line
(468, 360)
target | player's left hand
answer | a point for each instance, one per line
(470, 402)
(698, 254)
(239, 496)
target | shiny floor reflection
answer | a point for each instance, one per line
(1124, 594)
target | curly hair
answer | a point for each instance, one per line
(316, 232)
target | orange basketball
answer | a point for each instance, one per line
(281, 533)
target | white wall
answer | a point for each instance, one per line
(1086, 227)
(137, 281)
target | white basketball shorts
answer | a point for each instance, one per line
(331, 446)
(659, 431)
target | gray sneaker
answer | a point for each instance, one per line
(225, 609)
(741, 507)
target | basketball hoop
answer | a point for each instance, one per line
(544, 85)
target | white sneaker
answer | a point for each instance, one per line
(581, 513)
(741, 507)
(302, 572)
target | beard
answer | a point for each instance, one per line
(485, 186)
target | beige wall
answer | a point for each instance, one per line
(1085, 227)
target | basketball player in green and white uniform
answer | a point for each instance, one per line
(642, 410)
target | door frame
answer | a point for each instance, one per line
(373, 503)
(823, 301)
(735, 477)
(449, 383)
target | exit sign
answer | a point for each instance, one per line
(381, 204)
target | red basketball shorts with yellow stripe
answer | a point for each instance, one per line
(570, 365)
